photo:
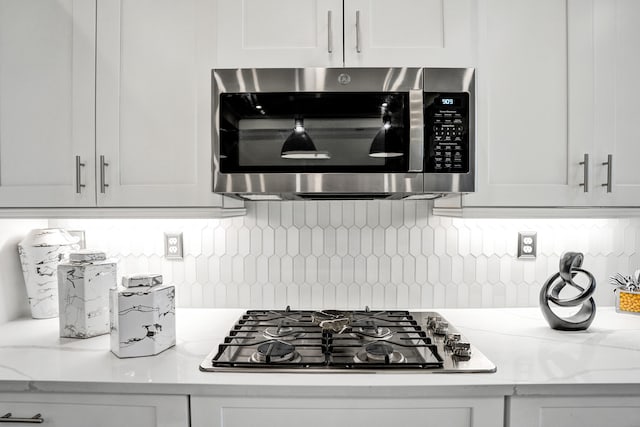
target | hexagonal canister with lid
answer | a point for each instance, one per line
(83, 293)
(143, 321)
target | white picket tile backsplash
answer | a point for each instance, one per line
(355, 253)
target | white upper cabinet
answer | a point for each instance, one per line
(531, 139)
(616, 112)
(315, 33)
(279, 33)
(153, 103)
(438, 33)
(47, 103)
(106, 103)
(558, 95)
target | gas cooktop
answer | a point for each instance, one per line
(344, 341)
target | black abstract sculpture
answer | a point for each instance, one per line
(570, 264)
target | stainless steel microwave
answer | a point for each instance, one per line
(343, 133)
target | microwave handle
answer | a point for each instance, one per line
(416, 131)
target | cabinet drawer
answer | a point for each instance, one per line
(323, 412)
(574, 411)
(97, 410)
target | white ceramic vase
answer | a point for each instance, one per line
(40, 253)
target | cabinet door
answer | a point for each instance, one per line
(414, 33)
(323, 412)
(47, 58)
(153, 101)
(574, 411)
(279, 33)
(617, 43)
(532, 126)
(99, 410)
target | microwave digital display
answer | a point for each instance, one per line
(447, 101)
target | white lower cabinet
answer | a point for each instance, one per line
(573, 411)
(98, 410)
(346, 412)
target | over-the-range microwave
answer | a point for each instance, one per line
(343, 133)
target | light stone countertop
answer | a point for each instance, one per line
(531, 359)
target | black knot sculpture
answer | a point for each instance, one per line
(570, 264)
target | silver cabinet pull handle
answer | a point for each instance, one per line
(79, 184)
(103, 185)
(585, 163)
(609, 164)
(7, 418)
(329, 33)
(358, 49)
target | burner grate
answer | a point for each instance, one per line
(296, 339)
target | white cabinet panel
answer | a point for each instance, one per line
(617, 95)
(409, 33)
(568, 411)
(103, 410)
(46, 102)
(322, 412)
(527, 155)
(279, 33)
(154, 60)
(309, 33)
(153, 103)
(557, 80)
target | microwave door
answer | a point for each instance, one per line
(320, 132)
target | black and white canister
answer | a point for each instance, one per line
(83, 289)
(143, 318)
(40, 253)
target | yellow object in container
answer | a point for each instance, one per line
(627, 301)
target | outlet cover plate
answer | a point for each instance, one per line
(527, 244)
(173, 247)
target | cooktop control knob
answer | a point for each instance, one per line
(451, 340)
(462, 350)
(441, 327)
(432, 320)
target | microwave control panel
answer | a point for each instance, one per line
(446, 134)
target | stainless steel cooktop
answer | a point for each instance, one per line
(345, 341)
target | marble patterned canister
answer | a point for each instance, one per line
(83, 286)
(143, 320)
(40, 253)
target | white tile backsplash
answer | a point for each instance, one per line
(350, 254)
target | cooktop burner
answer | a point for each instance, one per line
(344, 341)
(379, 352)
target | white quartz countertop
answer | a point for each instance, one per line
(530, 357)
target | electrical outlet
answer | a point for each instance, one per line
(527, 244)
(173, 248)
